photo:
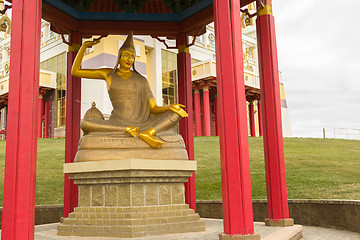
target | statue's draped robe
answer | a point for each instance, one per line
(130, 99)
(107, 140)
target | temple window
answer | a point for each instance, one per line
(169, 82)
(58, 64)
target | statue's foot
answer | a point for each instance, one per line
(148, 137)
(134, 131)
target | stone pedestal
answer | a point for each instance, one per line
(131, 198)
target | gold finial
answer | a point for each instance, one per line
(93, 113)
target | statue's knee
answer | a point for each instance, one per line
(174, 117)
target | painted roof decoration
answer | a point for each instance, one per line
(143, 6)
(146, 17)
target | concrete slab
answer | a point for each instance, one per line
(213, 228)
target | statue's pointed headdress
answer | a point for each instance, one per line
(127, 45)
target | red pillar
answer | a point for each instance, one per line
(197, 113)
(206, 106)
(185, 98)
(216, 116)
(72, 131)
(270, 97)
(40, 115)
(260, 117)
(234, 151)
(20, 162)
(252, 118)
(47, 119)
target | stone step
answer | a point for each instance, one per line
(132, 222)
(131, 231)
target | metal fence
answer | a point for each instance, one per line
(347, 133)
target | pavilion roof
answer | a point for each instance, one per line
(153, 17)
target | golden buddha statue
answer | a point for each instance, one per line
(135, 110)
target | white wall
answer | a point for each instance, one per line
(93, 90)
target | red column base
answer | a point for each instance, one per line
(255, 236)
(287, 222)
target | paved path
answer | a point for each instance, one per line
(318, 233)
(213, 228)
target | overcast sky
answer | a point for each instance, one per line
(319, 56)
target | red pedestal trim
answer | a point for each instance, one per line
(252, 118)
(186, 124)
(197, 113)
(22, 126)
(271, 110)
(234, 151)
(72, 134)
(206, 106)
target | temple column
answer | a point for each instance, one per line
(260, 117)
(216, 116)
(277, 201)
(18, 213)
(252, 118)
(47, 119)
(197, 113)
(206, 107)
(40, 115)
(185, 98)
(72, 130)
(234, 150)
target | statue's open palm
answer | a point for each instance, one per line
(177, 108)
(91, 43)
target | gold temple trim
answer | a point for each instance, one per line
(267, 10)
(183, 48)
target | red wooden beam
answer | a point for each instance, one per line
(20, 162)
(200, 19)
(62, 22)
(121, 27)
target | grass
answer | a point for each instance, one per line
(49, 176)
(315, 169)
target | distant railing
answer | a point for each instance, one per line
(347, 133)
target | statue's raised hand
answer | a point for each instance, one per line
(91, 43)
(177, 108)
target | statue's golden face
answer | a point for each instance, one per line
(127, 59)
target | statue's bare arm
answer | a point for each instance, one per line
(77, 71)
(176, 108)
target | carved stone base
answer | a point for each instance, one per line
(113, 146)
(131, 198)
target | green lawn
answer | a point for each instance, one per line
(49, 176)
(315, 169)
